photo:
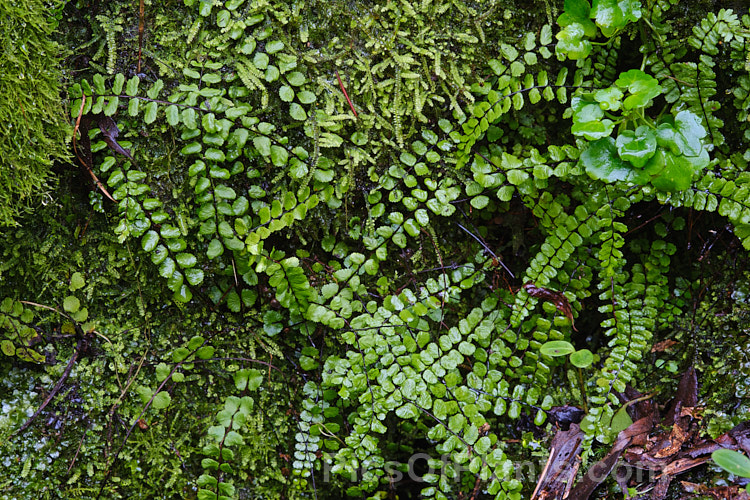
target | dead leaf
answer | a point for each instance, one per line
(84, 157)
(559, 300)
(110, 132)
(686, 396)
(562, 465)
(674, 442)
(599, 471)
(664, 345)
(719, 492)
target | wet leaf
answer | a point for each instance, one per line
(555, 348)
(601, 161)
(732, 461)
(637, 146)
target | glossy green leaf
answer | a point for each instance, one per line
(732, 461)
(297, 112)
(263, 145)
(295, 78)
(186, 260)
(571, 42)
(637, 146)
(215, 248)
(118, 83)
(672, 172)
(131, 88)
(578, 11)
(642, 87)
(601, 161)
(111, 107)
(609, 98)
(76, 281)
(173, 115)
(161, 400)
(582, 358)
(153, 92)
(555, 348)
(149, 241)
(150, 115)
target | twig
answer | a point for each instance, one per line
(341, 84)
(85, 163)
(140, 34)
(57, 387)
(488, 249)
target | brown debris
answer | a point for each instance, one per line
(659, 457)
(599, 471)
(719, 493)
(562, 465)
(559, 300)
(664, 345)
(110, 132)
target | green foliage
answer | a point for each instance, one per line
(732, 462)
(33, 131)
(339, 240)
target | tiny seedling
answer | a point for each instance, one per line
(582, 358)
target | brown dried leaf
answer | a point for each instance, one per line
(562, 465)
(559, 300)
(664, 345)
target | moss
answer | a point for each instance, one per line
(33, 124)
(292, 289)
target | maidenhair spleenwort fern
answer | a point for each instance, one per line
(386, 248)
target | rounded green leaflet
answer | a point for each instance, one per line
(601, 161)
(214, 154)
(162, 400)
(7, 347)
(571, 42)
(71, 304)
(732, 461)
(151, 109)
(286, 93)
(225, 192)
(194, 276)
(609, 98)
(578, 11)
(186, 260)
(76, 281)
(295, 78)
(586, 110)
(204, 7)
(261, 60)
(215, 248)
(183, 294)
(556, 348)
(672, 172)
(274, 46)
(594, 129)
(263, 145)
(191, 148)
(690, 128)
(637, 146)
(272, 73)
(173, 114)
(642, 87)
(306, 97)
(150, 240)
(582, 358)
(297, 112)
